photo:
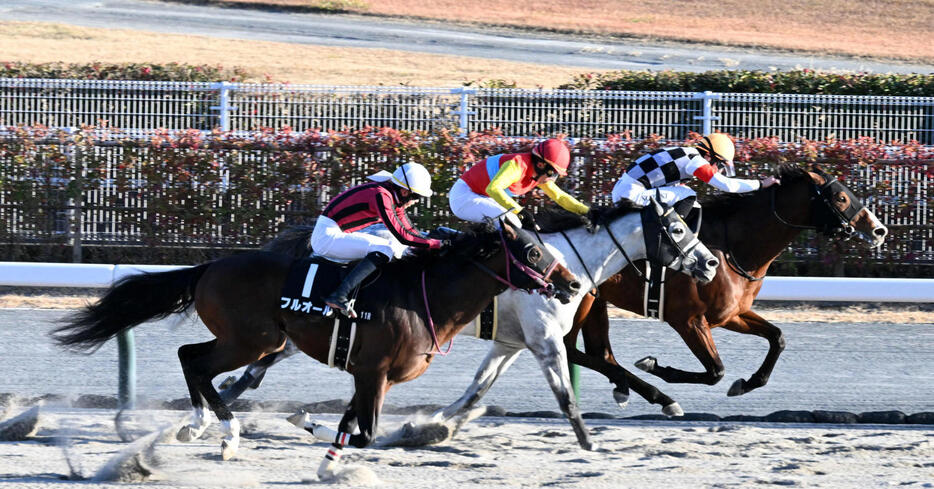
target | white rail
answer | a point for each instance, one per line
(840, 289)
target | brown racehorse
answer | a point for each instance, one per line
(238, 299)
(748, 232)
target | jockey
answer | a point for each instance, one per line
(665, 169)
(337, 232)
(487, 188)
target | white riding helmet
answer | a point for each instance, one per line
(410, 176)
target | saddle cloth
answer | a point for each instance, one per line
(485, 325)
(309, 281)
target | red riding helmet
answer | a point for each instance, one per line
(555, 153)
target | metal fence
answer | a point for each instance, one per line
(122, 208)
(577, 113)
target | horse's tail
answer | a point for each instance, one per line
(294, 242)
(131, 301)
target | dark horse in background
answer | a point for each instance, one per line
(748, 232)
(238, 299)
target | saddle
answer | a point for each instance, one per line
(309, 281)
(312, 279)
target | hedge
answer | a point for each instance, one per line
(190, 196)
(805, 81)
(125, 71)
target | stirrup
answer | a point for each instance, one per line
(344, 307)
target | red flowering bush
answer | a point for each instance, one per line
(194, 189)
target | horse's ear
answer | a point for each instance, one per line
(818, 177)
(508, 230)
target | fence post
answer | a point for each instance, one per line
(464, 108)
(73, 217)
(223, 106)
(707, 116)
(127, 380)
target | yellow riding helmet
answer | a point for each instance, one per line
(718, 148)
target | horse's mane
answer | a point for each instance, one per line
(727, 203)
(556, 219)
(478, 241)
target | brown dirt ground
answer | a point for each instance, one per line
(25, 297)
(35, 42)
(873, 28)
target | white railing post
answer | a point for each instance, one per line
(223, 106)
(707, 116)
(463, 110)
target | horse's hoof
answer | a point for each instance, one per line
(590, 446)
(299, 418)
(229, 449)
(622, 398)
(229, 381)
(673, 409)
(187, 433)
(647, 364)
(737, 389)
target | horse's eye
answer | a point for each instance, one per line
(676, 229)
(534, 255)
(841, 198)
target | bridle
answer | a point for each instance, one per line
(540, 278)
(836, 221)
(826, 191)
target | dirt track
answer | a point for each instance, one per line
(774, 311)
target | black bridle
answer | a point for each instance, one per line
(829, 219)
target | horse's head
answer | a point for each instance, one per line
(837, 211)
(679, 248)
(531, 266)
(813, 199)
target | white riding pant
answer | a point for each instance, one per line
(473, 207)
(629, 188)
(329, 241)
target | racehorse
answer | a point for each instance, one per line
(748, 232)
(238, 299)
(533, 322)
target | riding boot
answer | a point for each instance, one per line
(339, 299)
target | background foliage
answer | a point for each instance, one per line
(189, 196)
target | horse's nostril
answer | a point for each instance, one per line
(575, 285)
(713, 263)
(880, 232)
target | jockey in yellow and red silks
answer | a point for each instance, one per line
(487, 188)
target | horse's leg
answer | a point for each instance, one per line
(367, 403)
(201, 365)
(497, 360)
(593, 321)
(347, 425)
(598, 356)
(254, 373)
(751, 323)
(199, 418)
(548, 350)
(696, 334)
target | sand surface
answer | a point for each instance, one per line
(489, 452)
(22, 297)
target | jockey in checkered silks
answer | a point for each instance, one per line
(661, 174)
(487, 188)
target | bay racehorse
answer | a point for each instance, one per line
(748, 232)
(417, 302)
(539, 324)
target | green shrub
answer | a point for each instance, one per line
(124, 71)
(804, 81)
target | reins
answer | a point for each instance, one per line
(593, 291)
(539, 278)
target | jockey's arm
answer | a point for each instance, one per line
(507, 175)
(406, 235)
(709, 174)
(562, 198)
